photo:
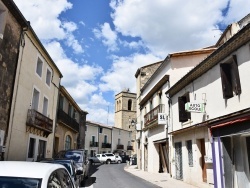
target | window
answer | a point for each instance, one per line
(100, 130)
(130, 104)
(151, 104)
(48, 77)
(159, 97)
(61, 99)
(39, 67)
(3, 15)
(70, 110)
(119, 141)
(35, 100)
(183, 114)
(119, 132)
(105, 139)
(93, 139)
(190, 152)
(45, 106)
(230, 78)
(60, 178)
(31, 151)
(129, 143)
(68, 142)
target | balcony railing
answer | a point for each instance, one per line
(93, 144)
(106, 145)
(119, 146)
(66, 119)
(39, 121)
(129, 147)
(153, 114)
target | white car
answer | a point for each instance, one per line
(118, 159)
(21, 174)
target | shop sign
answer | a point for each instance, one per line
(162, 118)
(195, 107)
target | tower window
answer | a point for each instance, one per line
(130, 104)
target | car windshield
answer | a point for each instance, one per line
(75, 155)
(17, 182)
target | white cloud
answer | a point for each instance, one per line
(167, 26)
(108, 36)
(122, 73)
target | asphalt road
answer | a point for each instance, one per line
(114, 176)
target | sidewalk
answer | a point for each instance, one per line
(160, 179)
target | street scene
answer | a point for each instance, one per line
(122, 93)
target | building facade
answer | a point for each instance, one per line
(210, 115)
(154, 140)
(70, 119)
(33, 112)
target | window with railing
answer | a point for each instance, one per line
(153, 114)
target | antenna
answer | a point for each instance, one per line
(108, 116)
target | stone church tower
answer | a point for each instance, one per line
(125, 109)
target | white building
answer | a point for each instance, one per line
(154, 142)
(212, 145)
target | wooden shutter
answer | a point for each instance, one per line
(183, 116)
(235, 70)
(226, 80)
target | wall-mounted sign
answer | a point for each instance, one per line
(195, 107)
(162, 118)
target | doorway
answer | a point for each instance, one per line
(146, 157)
(201, 146)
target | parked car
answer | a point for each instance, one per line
(23, 174)
(125, 158)
(118, 159)
(78, 155)
(70, 165)
(106, 158)
(94, 160)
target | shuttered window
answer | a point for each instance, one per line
(230, 78)
(183, 115)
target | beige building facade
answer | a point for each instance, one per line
(71, 123)
(34, 106)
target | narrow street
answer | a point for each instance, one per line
(114, 176)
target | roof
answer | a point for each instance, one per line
(32, 169)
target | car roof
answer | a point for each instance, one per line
(27, 169)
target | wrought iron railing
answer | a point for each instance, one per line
(93, 144)
(39, 121)
(129, 147)
(119, 146)
(153, 114)
(66, 119)
(106, 145)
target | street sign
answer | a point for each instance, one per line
(195, 107)
(162, 118)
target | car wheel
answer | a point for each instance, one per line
(108, 161)
(119, 162)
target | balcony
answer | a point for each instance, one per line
(93, 144)
(119, 146)
(106, 145)
(152, 116)
(129, 147)
(39, 121)
(66, 119)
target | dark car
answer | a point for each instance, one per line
(70, 165)
(81, 161)
(125, 158)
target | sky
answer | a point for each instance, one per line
(98, 45)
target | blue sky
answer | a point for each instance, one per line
(99, 44)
